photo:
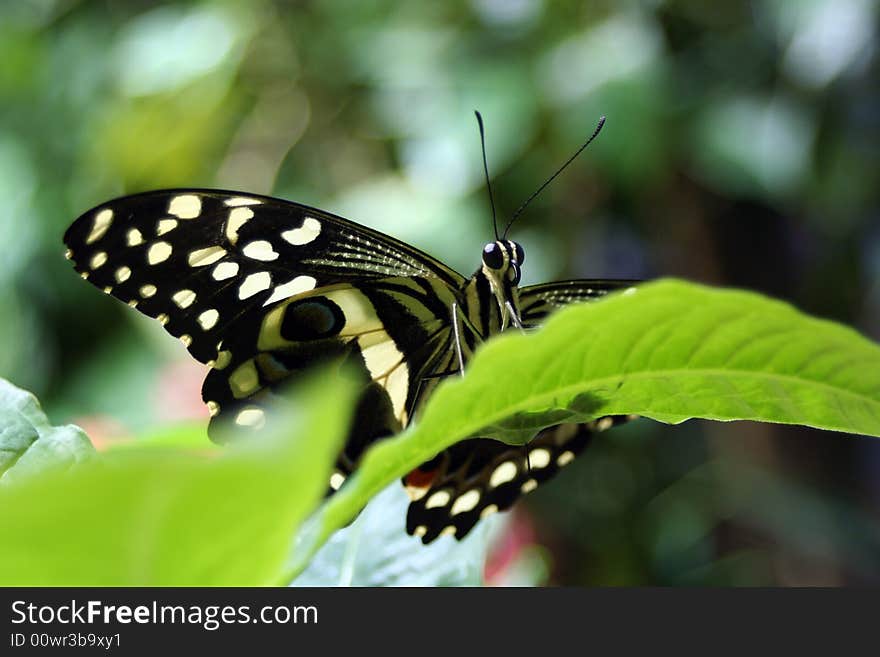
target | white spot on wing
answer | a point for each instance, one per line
(159, 252)
(122, 274)
(502, 474)
(529, 486)
(184, 298)
(488, 511)
(100, 225)
(438, 499)
(260, 250)
(306, 233)
(134, 237)
(208, 319)
(539, 458)
(237, 218)
(98, 260)
(292, 287)
(466, 502)
(185, 206)
(148, 290)
(225, 270)
(565, 458)
(165, 226)
(336, 480)
(236, 201)
(254, 284)
(251, 417)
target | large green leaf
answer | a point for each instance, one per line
(176, 516)
(28, 443)
(668, 350)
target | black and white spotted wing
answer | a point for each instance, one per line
(200, 260)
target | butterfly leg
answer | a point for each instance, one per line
(514, 317)
(456, 335)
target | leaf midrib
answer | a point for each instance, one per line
(576, 388)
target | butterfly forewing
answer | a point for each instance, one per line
(197, 260)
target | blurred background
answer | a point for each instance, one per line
(742, 148)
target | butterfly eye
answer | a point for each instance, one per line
(518, 253)
(493, 257)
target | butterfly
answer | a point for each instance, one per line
(260, 289)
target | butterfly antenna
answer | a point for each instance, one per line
(558, 171)
(486, 171)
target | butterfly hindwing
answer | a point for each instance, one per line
(476, 478)
(390, 333)
(538, 301)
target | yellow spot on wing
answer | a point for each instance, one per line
(148, 290)
(244, 380)
(122, 274)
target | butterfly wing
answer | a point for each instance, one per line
(261, 289)
(475, 478)
(201, 260)
(538, 301)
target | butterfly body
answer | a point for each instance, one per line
(261, 289)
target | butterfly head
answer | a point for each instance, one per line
(502, 266)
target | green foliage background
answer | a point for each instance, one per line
(741, 149)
